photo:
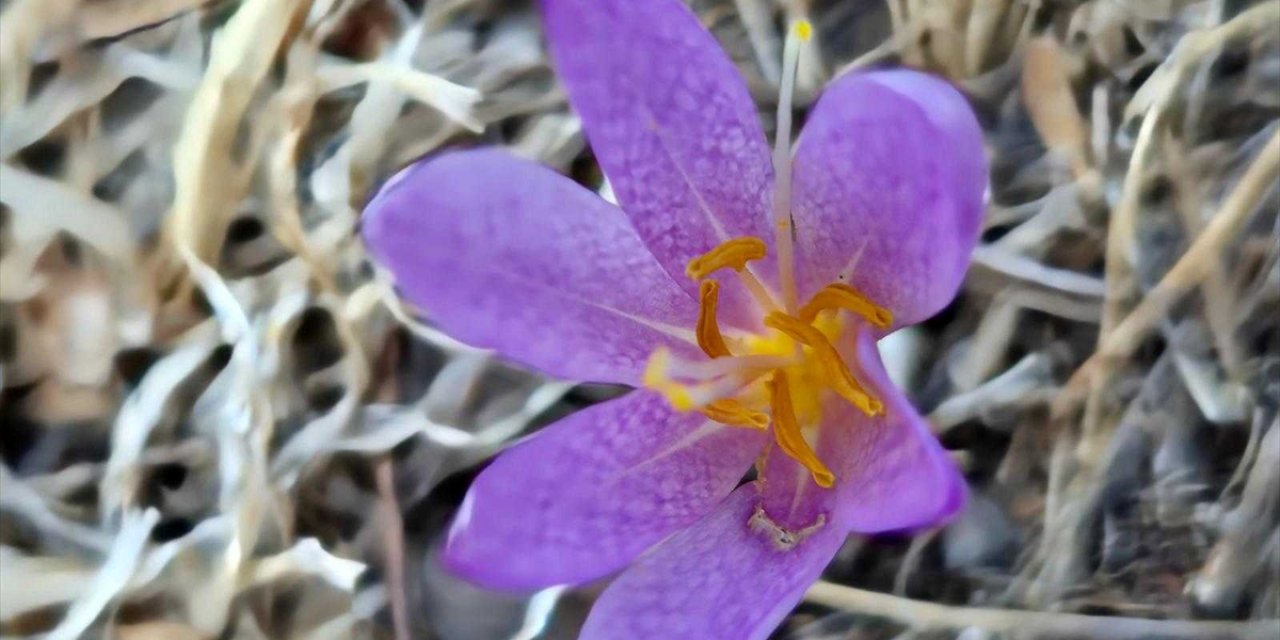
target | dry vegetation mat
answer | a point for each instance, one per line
(217, 420)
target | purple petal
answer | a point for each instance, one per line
(891, 472)
(888, 177)
(505, 254)
(588, 494)
(728, 576)
(788, 493)
(671, 123)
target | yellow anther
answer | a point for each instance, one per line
(732, 412)
(656, 378)
(730, 254)
(786, 431)
(837, 375)
(708, 330)
(843, 296)
(803, 30)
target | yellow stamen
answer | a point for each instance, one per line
(731, 254)
(842, 296)
(732, 412)
(838, 376)
(786, 431)
(735, 254)
(708, 331)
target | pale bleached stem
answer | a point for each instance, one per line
(782, 226)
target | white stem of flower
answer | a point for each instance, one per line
(672, 367)
(799, 32)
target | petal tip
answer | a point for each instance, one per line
(464, 560)
(456, 556)
(467, 556)
(957, 497)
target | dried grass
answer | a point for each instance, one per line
(217, 421)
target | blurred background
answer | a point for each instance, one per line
(217, 421)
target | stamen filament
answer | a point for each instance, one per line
(656, 377)
(670, 366)
(713, 379)
(732, 412)
(758, 290)
(786, 431)
(838, 376)
(736, 364)
(703, 394)
(708, 330)
(842, 296)
(801, 31)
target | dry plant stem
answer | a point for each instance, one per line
(241, 56)
(23, 26)
(1218, 294)
(984, 23)
(1021, 268)
(1028, 624)
(756, 19)
(1191, 50)
(1046, 90)
(298, 106)
(1027, 383)
(1120, 285)
(1234, 561)
(393, 539)
(989, 345)
(1078, 466)
(896, 17)
(893, 45)
(1186, 274)
(1065, 517)
(912, 560)
(252, 488)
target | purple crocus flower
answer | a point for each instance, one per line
(741, 295)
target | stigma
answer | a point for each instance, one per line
(777, 379)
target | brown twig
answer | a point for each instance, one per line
(393, 538)
(1185, 275)
(1037, 624)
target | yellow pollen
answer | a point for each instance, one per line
(803, 30)
(731, 254)
(708, 331)
(838, 376)
(788, 435)
(843, 296)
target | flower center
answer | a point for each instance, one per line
(774, 379)
(777, 379)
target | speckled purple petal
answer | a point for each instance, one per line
(891, 472)
(889, 178)
(588, 494)
(724, 577)
(506, 254)
(672, 125)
